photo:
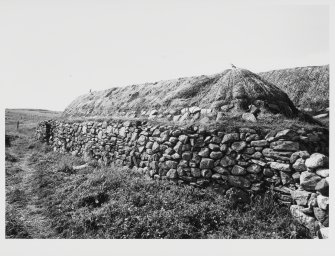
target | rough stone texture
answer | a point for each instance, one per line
(259, 143)
(323, 187)
(254, 168)
(172, 174)
(319, 214)
(323, 202)
(308, 180)
(286, 134)
(285, 178)
(285, 145)
(238, 181)
(204, 152)
(316, 160)
(269, 152)
(206, 173)
(323, 233)
(230, 137)
(238, 146)
(206, 163)
(238, 170)
(280, 167)
(227, 161)
(171, 164)
(302, 218)
(196, 172)
(299, 154)
(216, 155)
(299, 165)
(324, 173)
(221, 170)
(249, 117)
(301, 197)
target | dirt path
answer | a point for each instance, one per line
(24, 201)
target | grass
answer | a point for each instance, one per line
(114, 202)
(47, 198)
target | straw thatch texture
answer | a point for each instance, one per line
(237, 87)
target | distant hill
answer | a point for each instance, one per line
(307, 87)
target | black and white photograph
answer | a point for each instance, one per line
(175, 120)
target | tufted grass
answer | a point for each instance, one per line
(114, 202)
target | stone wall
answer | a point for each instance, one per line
(292, 162)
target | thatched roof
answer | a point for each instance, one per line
(212, 91)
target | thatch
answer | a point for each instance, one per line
(215, 91)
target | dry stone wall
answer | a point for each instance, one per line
(238, 161)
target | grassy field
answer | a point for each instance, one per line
(47, 198)
(27, 118)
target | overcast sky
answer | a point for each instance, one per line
(54, 51)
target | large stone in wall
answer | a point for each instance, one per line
(238, 170)
(286, 134)
(323, 187)
(204, 152)
(299, 154)
(206, 173)
(285, 178)
(323, 202)
(280, 167)
(323, 233)
(238, 146)
(249, 117)
(324, 173)
(302, 218)
(171, 164)
(227, 161)
(309, 180)
(221, 170)
(122, 132)
(194, 110)
(301, 197)
(142, 140)
(206, 163)
(259, 143)
(183, 138)
(316, 160)
(320, 214)
(268, 152)
(214, 147)
(216, 155)
(172, 174)
(196, 172)
(230, 137)
(254, 168)
(299, 165)
(239, 181)
(187, 156)
(284, 145)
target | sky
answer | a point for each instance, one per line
(53, 51)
